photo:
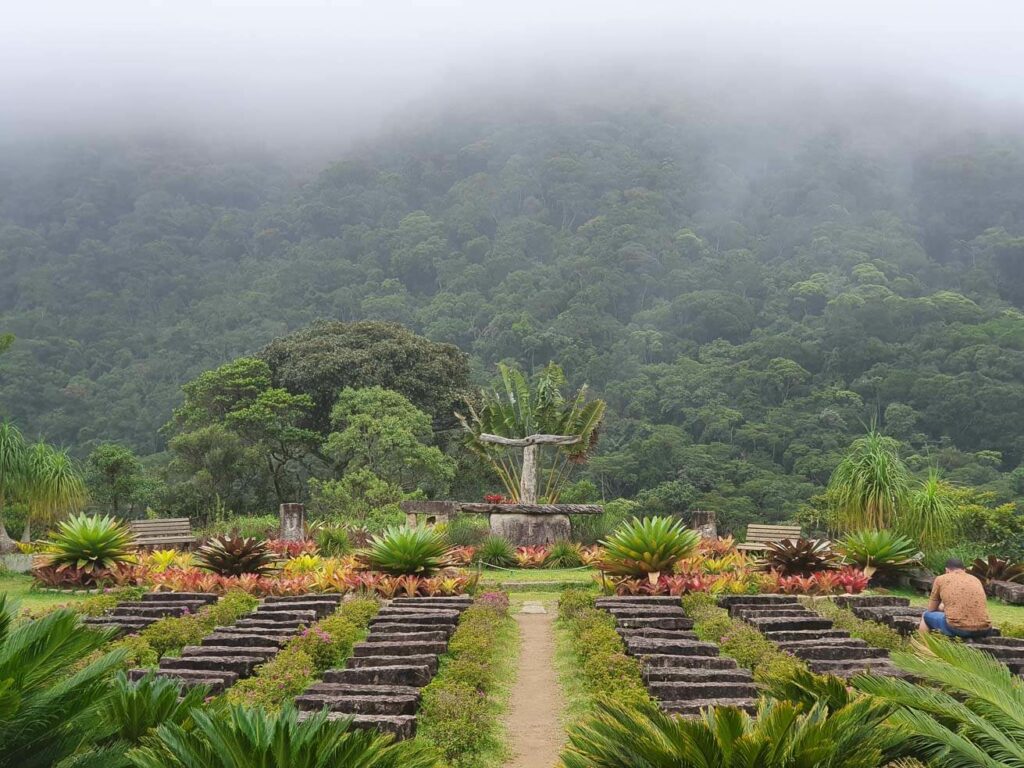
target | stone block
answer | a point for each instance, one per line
(531, 530)
(1008, 591)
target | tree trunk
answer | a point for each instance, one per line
(26, 534)
(6, 542)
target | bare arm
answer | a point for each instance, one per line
(935, 601)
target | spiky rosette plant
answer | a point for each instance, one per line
(800, 557)
(997, 569)
(405, 550)
(647, 547)
(880, 551)
(235, 555)
(89, 544)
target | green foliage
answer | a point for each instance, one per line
(132, 710)
(780, 736)
(360, 499)
(996, 568)
(871, 485)
(116, 480)
(169, 635)
(466, 530)
(564, 554)
(495, 550)
(256, 527)
(90, 543)
(590, 529)
(800, 557)
(648, 546)
(605, 669)
(968, 712)
(333, 541)
(235, 555)
(458, 714)
(381, 432)
(931, 516)
(739, 640)
(47, 700)
(520, 409)
(406, 550)
(881, 550)
(240, 737)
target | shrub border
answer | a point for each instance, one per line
(871, 632)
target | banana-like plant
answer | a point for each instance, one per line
(647, 547)
(783, 735)
(519, 410)
(238, 737)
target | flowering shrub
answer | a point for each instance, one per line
(496, 601)
(292, 549)
(848, 580)
(497, 498)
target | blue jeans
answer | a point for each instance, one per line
(936, 621)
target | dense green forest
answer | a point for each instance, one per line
(748, 296)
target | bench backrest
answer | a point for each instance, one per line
(165, 530)
(766, 533)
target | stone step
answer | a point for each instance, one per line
(124, 622)
(769, 624)
(426, 660)
(411, 637)
(320, 608)
(400, 648)
(642, 645)
(357, 704)
(785, 636)
(416, 675)
(319, 597)
(643, 612)
(746, 611)
(688, 690)
(247, 640)
(838, 652)
(670, 674)
(1004, 652)
(663, 661)
(218, 681)
(886, 613)
(677, 623)
(346, 689)
(694, 707)
(439, 616)
(173, 597)
(661, 634)
(241, 665)
(271, 612)
(727, 601)
(637, 600)
(433, 602)
(264, 652)
(397, 627)
(264, 623)
(848, 668)
(1010, 642)
(155, 610)
(401, 726)
(821, 642)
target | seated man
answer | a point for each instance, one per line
(958, 606)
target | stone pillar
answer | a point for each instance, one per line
(704, 523)
(293, 522)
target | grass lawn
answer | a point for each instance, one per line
(1000, 612)
(18, 587)
(545, 579)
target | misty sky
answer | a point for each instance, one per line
(295, 69)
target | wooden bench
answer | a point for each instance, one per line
(759, 536)
(165, 532)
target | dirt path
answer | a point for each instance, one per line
(534, 728)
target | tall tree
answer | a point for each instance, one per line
(115, 478)
(12, 470)
(52, 486)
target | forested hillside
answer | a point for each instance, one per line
(746, 296)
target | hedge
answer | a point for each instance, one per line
(460, 708)
(169, 635)
(604, 668)
(739, 640)
(321, 646)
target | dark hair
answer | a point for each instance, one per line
(954, 564)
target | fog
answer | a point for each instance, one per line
(298, 74)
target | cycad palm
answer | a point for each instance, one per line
(972, 717)
(48, 709)
(248, 738)
(783, 735)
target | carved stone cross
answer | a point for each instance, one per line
(528, 480)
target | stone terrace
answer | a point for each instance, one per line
(380, 685)
(135, 615)
(808, 636)
(682, 673)
(228, 654)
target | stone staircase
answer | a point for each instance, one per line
(682, 673)
(228, 654)
(135, 615)
(380, 685)
(808, 636)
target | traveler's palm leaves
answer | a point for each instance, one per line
(782, 736)
(48, 708)
(244, 738)
(973, 716)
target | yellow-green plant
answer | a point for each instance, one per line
(647, 547)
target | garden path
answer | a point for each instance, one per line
(534, 715)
